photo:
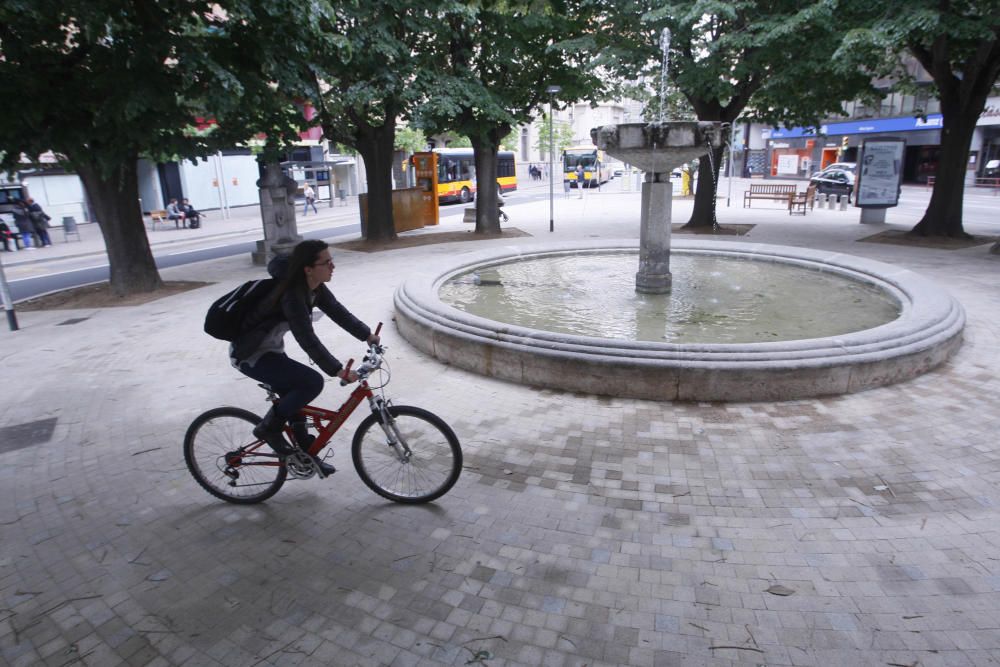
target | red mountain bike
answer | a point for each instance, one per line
(402, 453)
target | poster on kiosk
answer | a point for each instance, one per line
(879, 173)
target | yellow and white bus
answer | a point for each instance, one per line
(457, 174)
(595, 171)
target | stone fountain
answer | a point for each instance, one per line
(656, 148)
(924, 330)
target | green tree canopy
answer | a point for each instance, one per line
(362, 66)
(767, 60)
(562, 136)
(410, 140)
(104, 82)
(958, 44)
(494, 60)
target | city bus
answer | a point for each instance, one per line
(457, 174)
(595, 171)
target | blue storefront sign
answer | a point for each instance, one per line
(868, 126)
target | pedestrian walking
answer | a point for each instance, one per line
(40, 220)
(24, 226)
(310, 196)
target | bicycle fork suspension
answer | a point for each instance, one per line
(393, 437)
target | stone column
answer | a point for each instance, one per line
(654, 235)
(277, 212)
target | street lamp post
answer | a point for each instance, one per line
(8, 302)
(551, 90)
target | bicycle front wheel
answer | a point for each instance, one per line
(227, 460)
(413, 458)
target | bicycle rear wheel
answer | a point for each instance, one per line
(421, 468)
(227, 460)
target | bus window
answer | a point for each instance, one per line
(457, 174)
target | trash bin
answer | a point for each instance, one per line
(69, 228)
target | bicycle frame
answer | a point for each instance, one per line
(334, 418)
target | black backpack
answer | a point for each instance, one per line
(224, 319)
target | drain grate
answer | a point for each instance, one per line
(24, 435)
(72, 320)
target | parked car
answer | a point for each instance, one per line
(992, 169)
(845, 166)
(9, 194)
(834, 182)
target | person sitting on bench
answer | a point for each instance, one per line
(174, 213)
(190, 214)
(7, 236)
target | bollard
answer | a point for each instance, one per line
(843, 203)
(831, 201)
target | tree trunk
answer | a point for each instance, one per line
(116, 202)
(376, 147)
(943, 216)
(703, 214)
(485, 151)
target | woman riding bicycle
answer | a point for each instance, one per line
(259, 351)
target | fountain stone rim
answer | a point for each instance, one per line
(927, 331)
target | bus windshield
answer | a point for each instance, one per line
(573, 158)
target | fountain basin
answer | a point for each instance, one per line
(658, 147)
(925, 334)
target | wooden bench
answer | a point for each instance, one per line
(158, 217)
(797, 202)
(772, 191)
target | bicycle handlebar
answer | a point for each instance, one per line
(371, 361)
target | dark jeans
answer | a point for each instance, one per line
(295, 383)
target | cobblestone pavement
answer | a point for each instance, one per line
(854, 530)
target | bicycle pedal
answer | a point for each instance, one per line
(324, 469)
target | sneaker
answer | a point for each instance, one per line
(325, 469)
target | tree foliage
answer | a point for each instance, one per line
(361, 66)
(495, 59)
(958, 44)
(763, 60)
(562, 136)
(410, 140)
(103, 82)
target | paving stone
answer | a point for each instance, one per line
(625, 532)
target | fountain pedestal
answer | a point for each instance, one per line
(656, 148)
(653, 276)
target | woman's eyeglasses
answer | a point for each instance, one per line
(328, 262)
